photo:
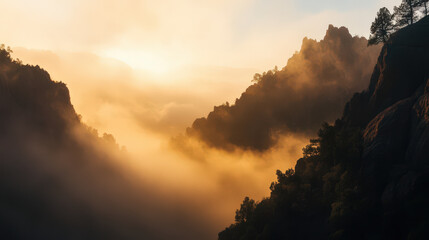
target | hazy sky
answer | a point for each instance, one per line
(165, 34)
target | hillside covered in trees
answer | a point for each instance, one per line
(365, 176)
(59, 179)
(53, 167)
(312, 88)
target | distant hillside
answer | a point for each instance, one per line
(366, 176)
(312, 88)
(58, 178)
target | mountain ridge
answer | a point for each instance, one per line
(366, 176)
(296, 99)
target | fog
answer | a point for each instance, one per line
(154, 181)
(170, 193)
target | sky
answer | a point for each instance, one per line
(144, 70)
(159, 36)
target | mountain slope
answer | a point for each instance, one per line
(312, 88)
(366, 176)
(57, 180)
(60, 180)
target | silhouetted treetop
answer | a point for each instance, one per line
(405, 14)
(246, 210)
(424, 4)
(381, 28)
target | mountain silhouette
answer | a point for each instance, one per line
(366, 176)
(363, 177)
(57, 180)
(61, 179)
(312, 88)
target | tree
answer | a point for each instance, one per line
(5, 53)
(257, 77)
(405, 14)
(246, 210)
(424, 4)
(412, 5)
(381, 28)
(312, 149)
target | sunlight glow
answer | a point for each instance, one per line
(147, 61)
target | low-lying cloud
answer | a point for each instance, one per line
(60, 180)
(74, 184)
(83, 186)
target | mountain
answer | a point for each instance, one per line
(312, 88)
(366, 176)
(57, 180)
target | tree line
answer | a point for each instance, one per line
(386, 23)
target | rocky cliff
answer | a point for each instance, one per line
(396, 138)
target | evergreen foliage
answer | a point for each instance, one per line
(405, 14)
(385, 24)
(381, 28)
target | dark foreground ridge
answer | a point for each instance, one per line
(366, 176)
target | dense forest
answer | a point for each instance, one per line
(366, 175)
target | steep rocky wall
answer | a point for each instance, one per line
(402, 68)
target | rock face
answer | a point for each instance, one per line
(385, 137)
(401, 69)
(417, 151)
(397, 102)
(396, 139)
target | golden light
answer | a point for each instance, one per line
(150, 62)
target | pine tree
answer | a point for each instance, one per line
(424, 4)
(381, 28)
(413, 6)
(405, 13)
